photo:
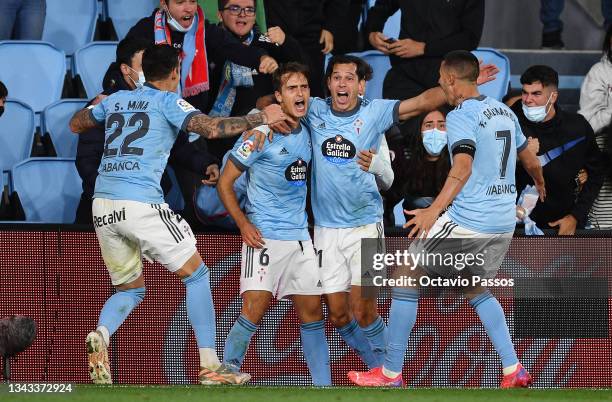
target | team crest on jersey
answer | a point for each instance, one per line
(245, 149)
(338, 150)
(358, 124)
(296, 173)
(184, 105)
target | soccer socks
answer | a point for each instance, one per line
(356, 339)
(316, 352)
(402, 316)
(377, 335)
(116, 309)
(201, 313)
(237, 341)
(492, 316)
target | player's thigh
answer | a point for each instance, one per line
(333, 268)
(262, 269)
(255, 303)
(120, 251)
(165, 236)
(360, 244)
(300, 274)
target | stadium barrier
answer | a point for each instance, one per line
(56, 275)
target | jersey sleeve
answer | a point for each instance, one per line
(244, 153)
(521, 140)
(98, 112)
(177, 110)
(461, 129)
(387, 113)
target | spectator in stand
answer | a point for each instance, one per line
(3, 96)
(314, 23)
(429, 30)
(565, 144)
(22, 19)
(235, 89)
(126, 74)
(420, 164)
(596, 107)
(550, 16)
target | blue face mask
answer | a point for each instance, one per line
(434, 141)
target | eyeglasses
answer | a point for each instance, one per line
(237, 10)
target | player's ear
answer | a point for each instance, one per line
(125, 70)
(362, 85)
(278, 96)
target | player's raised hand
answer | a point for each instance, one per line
(251, 235)
(258, 138)
(212, 171)
(487, 73)
(274, 114)
(364, 159)
(423, 220)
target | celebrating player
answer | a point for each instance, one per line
(130, 216)
(484, 138)
(278, 258)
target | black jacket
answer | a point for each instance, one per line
(562, 197)
(443, 25)
(91, 145)
(246, 97)
(220, 46)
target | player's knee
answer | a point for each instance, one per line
(364, 314)
(339, 318)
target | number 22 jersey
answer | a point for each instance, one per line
(140, 129)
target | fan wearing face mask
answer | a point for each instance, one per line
(3, 96)
(421, 162)
(565, 143)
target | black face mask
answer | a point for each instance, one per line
(1, 110)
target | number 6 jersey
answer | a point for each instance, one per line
(140, 129)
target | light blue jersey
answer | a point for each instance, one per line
(343, 195)
(276, 184)
(486, 204)
(141, 127)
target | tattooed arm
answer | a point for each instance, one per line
(82, 121)
(218, 127)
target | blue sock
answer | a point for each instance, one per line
(118, 307)
(377, 335)
(356, 339)
(237, 341)
(316, 352)
(200, 308)
(402, 316)
(492, 316)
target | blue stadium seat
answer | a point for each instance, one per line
(380, 64)
(393, 24)
(91, 63)
(499, 87)
(33, 72)
(126, 13)
(49, 189)
(16, 133)
(70, 24)
(398, 214)
(55, 119)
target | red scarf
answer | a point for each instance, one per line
(194, 78)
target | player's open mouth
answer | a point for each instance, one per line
(300, 105)
(342, 97)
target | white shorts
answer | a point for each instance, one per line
(339, 253)
(127, 230)
(281, 267)
(447, 237)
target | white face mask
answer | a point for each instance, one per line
(537, 114)
(175, 25)
(141, 78)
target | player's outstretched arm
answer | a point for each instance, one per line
(532, 165)
(427, 101)
(219, 127)
(225, 188)
(82, 121)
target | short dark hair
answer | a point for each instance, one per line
(544, 74)
(158, 61)
(288, 68)
(463, 63)
(223, 3)
(3, 90)
(364, 70)
(128, 47)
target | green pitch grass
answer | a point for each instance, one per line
(91, 393)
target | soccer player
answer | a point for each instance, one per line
(129, 213)
(346, 203)
(484, 139)
(278, 259)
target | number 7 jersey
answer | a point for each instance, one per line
(140, 129)
(487, 202)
